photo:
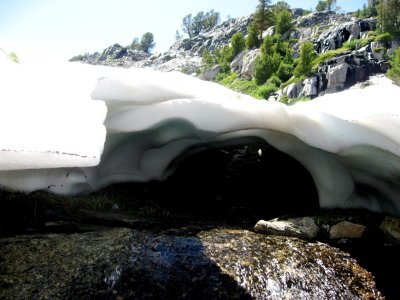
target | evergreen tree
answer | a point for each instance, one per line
(389, 16)
(200, 23)
(279, 7)
(238, 44)
(262, 17)
(147, 42)
(283, 21)
(304, 67)
(325, 5)
(135, 45)
(394, 71)
(187, 25)
(206, 58)
(269, 60)
(211, 19)
(178, 36)
(252, 40)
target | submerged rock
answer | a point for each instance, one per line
(346, 230)
(185, 263)
(391, 227)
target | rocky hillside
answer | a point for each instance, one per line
(348, 49)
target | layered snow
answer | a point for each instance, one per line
(74, 129)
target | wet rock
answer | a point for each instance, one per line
(185, 263)
(391, 227)
(346, 230)
(297, 227)
(60, 266)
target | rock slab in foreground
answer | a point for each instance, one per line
(185, 263)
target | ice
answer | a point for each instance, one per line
(74, 128)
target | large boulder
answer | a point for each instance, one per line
(308, 88)
(210, 74)
(334, 38)
(248, 63)
(337, 78)
(185, 263)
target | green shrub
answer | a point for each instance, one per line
(252, 40)
(265, 91)
(13, 56)
(221, 76)
(385, 37)
(394, 71)
(226, 79)
(292, 101)
(274, 80)
(352, 45)
(248, 87)
(307, 55)
(283, 21)
(238, 44)
(206, 58)
(285, 71)
(357, 44)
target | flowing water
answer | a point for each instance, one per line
(192, 262)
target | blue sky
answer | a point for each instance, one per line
(63, 28)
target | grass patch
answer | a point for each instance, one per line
(358, 43)
(248, 87)
(325, 56)
(292, 80)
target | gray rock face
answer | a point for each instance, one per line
(218, 36)
(338, 74)
(309, 88)
(185, 55)
(337, 78)
(116, 56)
(171, 61)
(318, 18)
(334, 38)
(244, 63)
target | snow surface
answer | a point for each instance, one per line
(75, 128)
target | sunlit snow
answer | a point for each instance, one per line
(75, 128)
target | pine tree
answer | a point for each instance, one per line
(262, 17)
(187, 25)
(389, 15)
(283, 21)
(252, 40)
(238, 44)
(304, 67)
(147, 42)
(394, 71)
